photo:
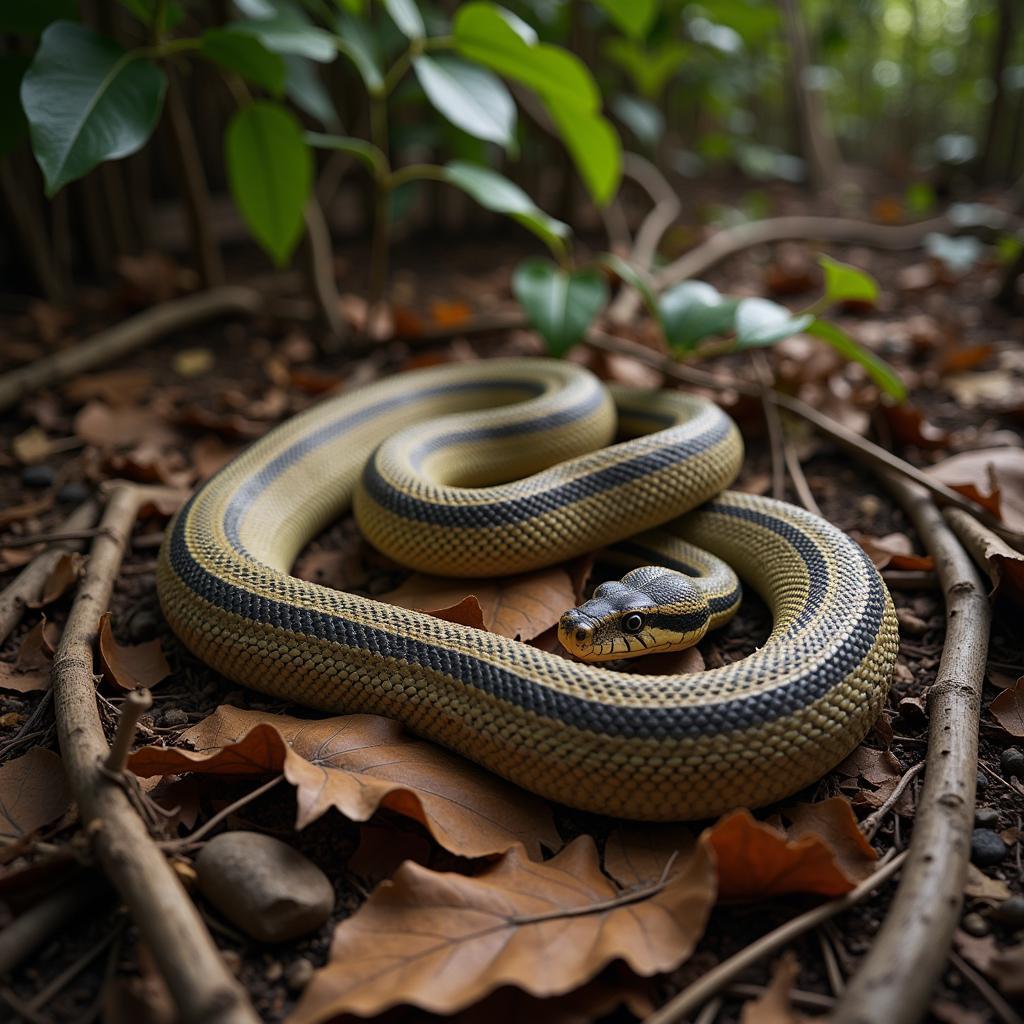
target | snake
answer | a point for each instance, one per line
(503, 466)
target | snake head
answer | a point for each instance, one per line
(650, 610)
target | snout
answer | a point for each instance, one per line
(575, 632)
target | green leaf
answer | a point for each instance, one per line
(483, 34)
(270, 170)
(13, 125)
(304, 88)
(650, 69)
(634, 17)
(881, 372)
(368, 153)
(470, 97)
(560, 305)
(628, 273)
(692, 311)
(760, 322)
(290, 32)
(844, 283)
(595, 149)
(87, 100)
(245, 54)
(407, 18)
(355, 41)
(32, 16)
(495, 192)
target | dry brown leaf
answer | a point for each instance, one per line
(909, 428)
(130, 667)
(115, 387)
(834, 821)
(520, 607)
(980, 887)
(108, 426)
(33, 792)
(755, 860)
(978, 950)
(444, 941)
(992, 476)
(62, 578)
(894, 550)
(31, 667)
(450, 314)
(773, 1006)
(359, 764)
(874, 766)
(1008, 708)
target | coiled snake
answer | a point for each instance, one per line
(489, 468)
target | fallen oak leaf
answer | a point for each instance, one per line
(893, 551)
(442, 942)
(875, 766)
(359, 764)
(993, 477)
(519, 607)
(834, 821)
(755, 860)
(130, 667)
(63, 576)
(33, 792)
(31, 667)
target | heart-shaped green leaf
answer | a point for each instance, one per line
(495, 192)
(470, 97)
(760, 322)
(844, 283)
(881, 372)
(270, 170)
(693, 311)
(560, 305)
(87, 100)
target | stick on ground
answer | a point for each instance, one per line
(196, 975)
(897, 977)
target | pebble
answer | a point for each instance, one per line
(73, 493)
(1012, 762)
(982, 782)
(986, 817)
(263, 886)
(174, 718)
(274, 971)
(987, 847)
(975, 924)
(299, 974)
(1010, 912)
(38, 476)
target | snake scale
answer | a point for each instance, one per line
(499, 467)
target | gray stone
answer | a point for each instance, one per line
(987, 847)
(1012, 762)
(1010, 912)
(975, 924)
(263, 886)
(986, 817)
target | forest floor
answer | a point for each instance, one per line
(174, 412)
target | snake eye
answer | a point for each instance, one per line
(632, 623)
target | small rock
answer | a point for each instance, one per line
(982, 782)
(265, 887)
(1010, 912)
(38, 476)
(299, 974)
(987, 847)
(174, 718)
(74, 492)
(910, 624)
(274, 971)
(986, 817)
(1012, 762)
(975, 924)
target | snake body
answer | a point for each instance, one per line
(486, 468)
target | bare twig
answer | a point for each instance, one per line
(896, 979)
(871, 824)
(773, 422)
(57, 537)
(320, 264)
(681, 1005)
(134, 706)
(28, 585)
(125, 337)
(186, 956)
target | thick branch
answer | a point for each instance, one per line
(129, 335)
(897, 978)
(28, 584)
(190, 963)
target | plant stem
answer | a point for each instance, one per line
(381, 218)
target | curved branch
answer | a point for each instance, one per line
(196, 975)
(127, 336)
(896, 979)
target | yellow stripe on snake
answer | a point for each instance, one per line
(502, 466)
